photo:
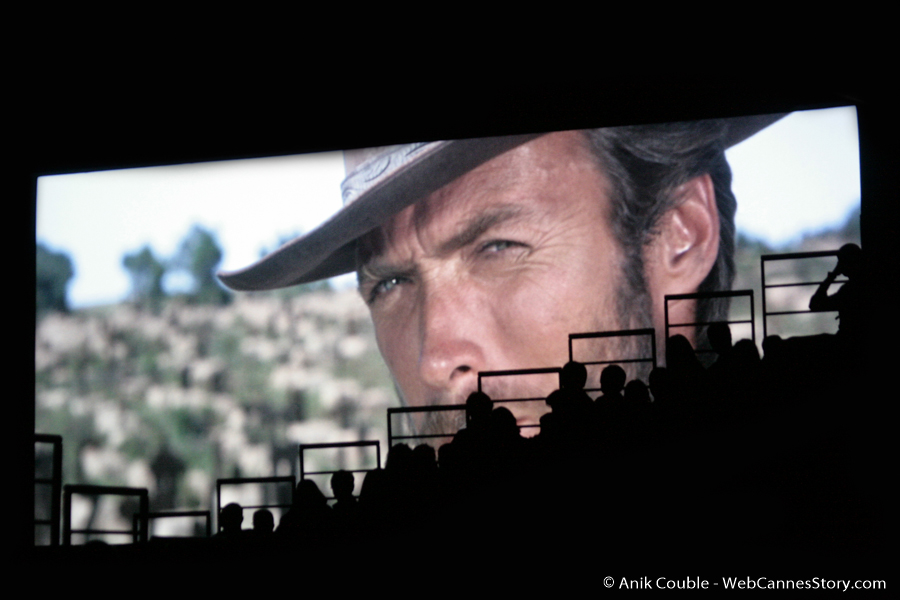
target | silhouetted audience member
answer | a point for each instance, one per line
(612, 382)
(687, 373)
(777, 365)
(660, 386)
(478, 411)
(263, 522)
(309, 515)
(470, 442)
(342, 484)
(346, 508)
(636, 393)
(848, 299)
(721, 371)
(230, 519)
(374, 501)
(747, 367)
(573, 378)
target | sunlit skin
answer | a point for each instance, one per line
(493, 271)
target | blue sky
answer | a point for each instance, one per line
(799, 175)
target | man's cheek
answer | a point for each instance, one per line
(399, 351)
(536, 299)
(388, 340)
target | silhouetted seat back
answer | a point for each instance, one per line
(197, 522)
(507, 387)
(625, 346)
(434, 425)
(353, 457)
(739, 326)
(104, 531)
(47, 488)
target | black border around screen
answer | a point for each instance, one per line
(94, 133)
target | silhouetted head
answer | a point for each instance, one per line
(342, 484)
(849, 260)
(232, 516)
(773, 346)
(746, 352)
(478, 409)
(573, 376)
(308, 495)
(636, 392)
(373, 486)
(680, 354)
(558, 400)
(423, 458)
(448, 457)
(263, 521)
(503, 423)
(612, 379)
(719, 335)
(399, 458)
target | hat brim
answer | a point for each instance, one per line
(330, 249)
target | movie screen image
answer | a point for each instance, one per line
(158, 376)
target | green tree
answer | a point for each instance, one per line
(200, 256)
(146, 273)
(54, 271)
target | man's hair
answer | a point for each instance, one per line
(645, 164)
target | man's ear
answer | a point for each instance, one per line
(687, 239)
(683, 251)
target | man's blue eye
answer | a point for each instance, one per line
(382, 287)
(497, 246)
(386, 285)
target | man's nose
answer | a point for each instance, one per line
(453, 339)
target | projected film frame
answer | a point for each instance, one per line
(707, 295)
(326, 446)
(286, 479)
(767, 286)
(649, 331)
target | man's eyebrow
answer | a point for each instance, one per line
(479, 225)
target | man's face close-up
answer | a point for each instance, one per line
(493, 271)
